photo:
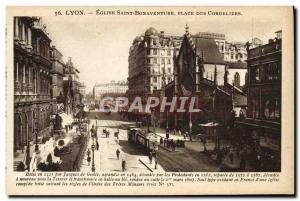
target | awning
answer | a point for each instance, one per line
(209, 124)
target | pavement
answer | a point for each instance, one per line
(106, 159)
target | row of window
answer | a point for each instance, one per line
(25, 74)
(155, 79)
(155, 61)
(266, 72)
(269, 109)
(155, 52)
(21, 31)
(169, 70)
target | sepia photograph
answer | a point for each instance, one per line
(119, 96)
(71, 116)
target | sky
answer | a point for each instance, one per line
(99, 45)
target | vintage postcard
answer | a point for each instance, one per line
(150, 100)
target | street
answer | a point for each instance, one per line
(106, 158)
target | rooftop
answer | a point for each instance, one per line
(151, 31)
(209, 49)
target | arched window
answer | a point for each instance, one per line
(237, 79)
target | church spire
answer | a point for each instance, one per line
(186, 29)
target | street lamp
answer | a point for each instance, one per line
(36, 135)
(96, 117)
(156, 155)
(154, 122)
(93, 159)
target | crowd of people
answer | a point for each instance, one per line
(171, 143)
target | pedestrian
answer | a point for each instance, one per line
(97, 145)
(117, 133)
(179, 132)
(150, 157)
(92, 130)
(95, 133)
(168, 143)
(161, 141)
(117, 140)
(49, 162)
(118, 153)
(123, 165)
(173, 145)
(88, 156)
(231, 156)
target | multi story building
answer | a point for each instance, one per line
(232, 51)
(57, 78)
(262, 127)
(151, 58)
(234, 54)
(32, 81)
(58, 66)
(110, 89)
(71, 84)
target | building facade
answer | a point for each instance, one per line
(231, 51)
(71, 85)
(33, 103)
(110, 89)
(151, 58)
(234, 54)
(58, 66)
(262, 126)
